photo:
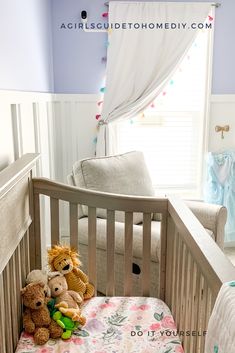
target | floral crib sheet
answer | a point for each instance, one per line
(116, 325)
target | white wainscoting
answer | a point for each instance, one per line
(60, 127)
(222, 113)
(74, 129)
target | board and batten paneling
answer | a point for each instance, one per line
(74, 129)
(222, 113)
(61, 127)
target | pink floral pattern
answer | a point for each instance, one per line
(168, 322)
(116, 325)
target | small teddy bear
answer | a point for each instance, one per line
(39, 276)
(65, 260)
(67, 301)
(36, 316)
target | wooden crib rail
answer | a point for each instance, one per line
(195, 270)
(110, 202)
(98, 199)
(16, 216)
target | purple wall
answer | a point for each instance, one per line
(77, 55)
(224, 49)
(25, 49)
(36, 55)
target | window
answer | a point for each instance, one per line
(171, 132)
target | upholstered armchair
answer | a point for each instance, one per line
(128, 174)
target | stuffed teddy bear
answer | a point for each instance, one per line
(39, 276)
(65, 260)
(67, 301)
(36, 316)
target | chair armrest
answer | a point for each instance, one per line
(212, 217)
(70, 180)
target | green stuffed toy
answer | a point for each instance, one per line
(63, 321)
(66, 323)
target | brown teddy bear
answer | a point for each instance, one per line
(67, 301)
(39, 276)
(36, 316)
(65, 260)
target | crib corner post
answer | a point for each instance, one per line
(35, 229)
(163, 244)
(170, 260)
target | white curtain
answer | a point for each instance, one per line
(141, 61)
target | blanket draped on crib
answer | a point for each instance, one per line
(220, 336)
(220, 186)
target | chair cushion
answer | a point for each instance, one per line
(125, 174)
(119, 237)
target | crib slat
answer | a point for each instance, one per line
(73, 224)
(182, 288)
(191, 306)
(23, 256)
(208, 306)
(146, 254)
(169, 264)
(185, 299)
(188, 300)
(2, 316)
(35, 247)
(54, 206)
(174, 273)
(194, 308)
(200, 313)
(163, 237)
(7, 303)
(110, 287)
(128, 253)
(13, 298)
(92, 245)
(178, 280)
(27, 253)
(19, 282)
(204, 313)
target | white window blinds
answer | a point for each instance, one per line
(171, 131)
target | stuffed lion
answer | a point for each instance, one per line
(65, 260)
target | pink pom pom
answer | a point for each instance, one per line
(105, 14)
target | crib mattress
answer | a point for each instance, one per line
(116, 325)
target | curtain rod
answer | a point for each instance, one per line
(217, 4)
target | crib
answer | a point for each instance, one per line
(192, 267)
